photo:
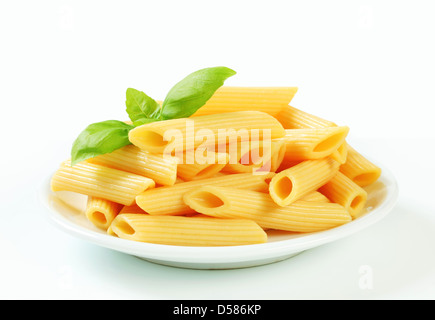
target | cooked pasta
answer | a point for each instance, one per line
(231, 203)
(132, 159)
(257, 156)
(243, 163)
(294, 118)
(203, 169)
(296, 182)
(315, 196)
(359, 169)
(266, 99)
(313, 143)
(342, 190)
(100, 181)
(169, 200)
(177, 135)
(101, 212)
(187, 231)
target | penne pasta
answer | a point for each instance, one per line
(187, 231)
(132, 159)
(100, 182)
(169, 200)
(256, 156)
(315, 196)
(296, 182)
(316, 143)
(342, 190)
(294, 118)
(359, 169)
(209, 168)
(265, 99)
(178, 135)
(101, 212)
(301, 216)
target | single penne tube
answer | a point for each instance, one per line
(177, 135)
(257, 156)
(342, 190)
(315, 196)
(187, 231)
(359, 169)
(163, 170)
(169, 200)
(206, 168)
(313, 143)
(100, 182)
(296, 182)
(266, 99)
(101, 212)
(300, 216)
(294, 118)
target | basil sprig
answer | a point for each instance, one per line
(182, 101)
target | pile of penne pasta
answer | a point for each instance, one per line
(315, 180)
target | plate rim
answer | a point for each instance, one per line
(224, 254)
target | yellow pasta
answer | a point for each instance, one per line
(315, 196)
(317, 143)
(200, 170)
(301, 216)
(101, 212)
(342, 190)
(257, 156)
(187, 231)
(134, 208)
(178, 135)
(359, 169)
(163, 170)
(340, 155)
(100, 181)
(292, 184)
(294, 118)
(266, 99)
(169, 200)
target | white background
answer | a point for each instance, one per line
(366, 64)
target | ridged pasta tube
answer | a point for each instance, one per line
(296, 182)
(187, 231)
(359, 169)
(342, 190)
(257, 156)
(100, 181)
(169, 200)
(197, 171)
(132, 159)
(294, 118)
(101, 212)
(301, 216)
(177, 135)
(266, 99)
(317, 143)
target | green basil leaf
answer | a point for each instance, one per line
(191, 93)
(141, 107)
(100, 138)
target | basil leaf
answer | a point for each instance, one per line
(140, 107)
(100, 138)
(191, 93)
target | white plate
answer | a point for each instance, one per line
(66, 210)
